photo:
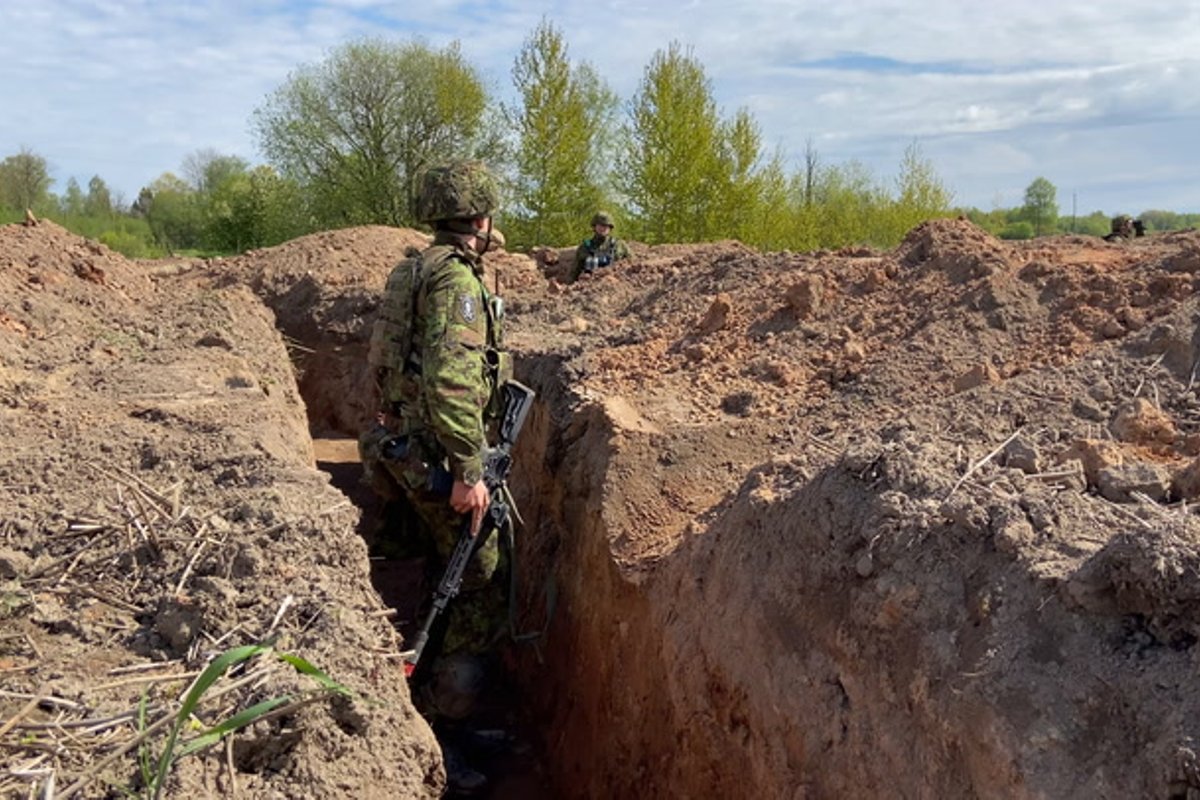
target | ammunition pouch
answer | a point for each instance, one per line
(376, 475)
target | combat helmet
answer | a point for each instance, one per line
(602, 218)
(1122, 224)
(458, 190)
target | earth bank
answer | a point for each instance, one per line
(913, 522)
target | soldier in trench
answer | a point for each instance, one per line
(437, 358)
(1124, 228)
(599, 250)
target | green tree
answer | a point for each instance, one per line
(1041, 206)
(255, 208)
(207, 169)
(921, 194)
(561, 123)
(356, 129)
(1019, 229)
(670, 166)
(848, 205)
(72, 201)
(773, 228)
(737, 206)
(99, 202)
(174, 213)
(24, 182)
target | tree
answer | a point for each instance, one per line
(24, 181)
(171, 208)
(812, 164)
(207, 169)
(669, 168)
(256, 208)
(1020, 229)
(72, 201)
(738, 204)
(848, 204)
(920, 196)
(1041, 207)
(561, 125)
(356, 129)
(99, 201)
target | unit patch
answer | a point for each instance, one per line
(466, 307)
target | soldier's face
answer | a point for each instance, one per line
(602, 230)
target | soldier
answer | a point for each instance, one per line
(1122, 229)
(437, 358)
(598, 250)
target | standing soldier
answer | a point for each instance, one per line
(436, 355)
(598, 250)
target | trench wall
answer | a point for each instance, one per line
(822, 632)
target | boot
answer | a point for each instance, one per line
(461, 779)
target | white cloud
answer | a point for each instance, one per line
(996, 93)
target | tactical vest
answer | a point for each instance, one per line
(392, 355)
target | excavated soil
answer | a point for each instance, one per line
(912, 523)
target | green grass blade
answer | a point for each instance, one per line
(145, 753)
(207, 678)
(306, 668)
(239, 720)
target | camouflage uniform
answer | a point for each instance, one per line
(441, 399)
(1122, 229)
(606, 249)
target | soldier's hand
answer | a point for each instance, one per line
(473, 500)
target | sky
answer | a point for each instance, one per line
(1101, 98)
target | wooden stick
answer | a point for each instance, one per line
(47, 699)
(16, 718)
(86, 777)
(283, 607)
(112, 601)
(187, 571)
(999, 448)
(144, 667)
(233, 787)
(144, 679)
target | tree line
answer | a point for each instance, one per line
(345, 139)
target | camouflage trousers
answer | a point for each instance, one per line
(476, 617)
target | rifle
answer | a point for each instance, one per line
(592, 262)
(497, 463)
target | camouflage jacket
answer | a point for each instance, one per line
(456, 349)
(608, 250)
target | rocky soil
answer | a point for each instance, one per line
(909, 523)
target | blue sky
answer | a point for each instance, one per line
(1101, 98)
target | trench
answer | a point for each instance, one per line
(591, 693)
(730, 665)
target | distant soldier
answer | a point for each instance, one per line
(1139, 228)
(1122, 229)
(598, 250)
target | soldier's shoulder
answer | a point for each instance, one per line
(448, 266)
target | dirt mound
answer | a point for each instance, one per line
(324, 290)
(161, 506)
(913, 522)
(966, 458)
